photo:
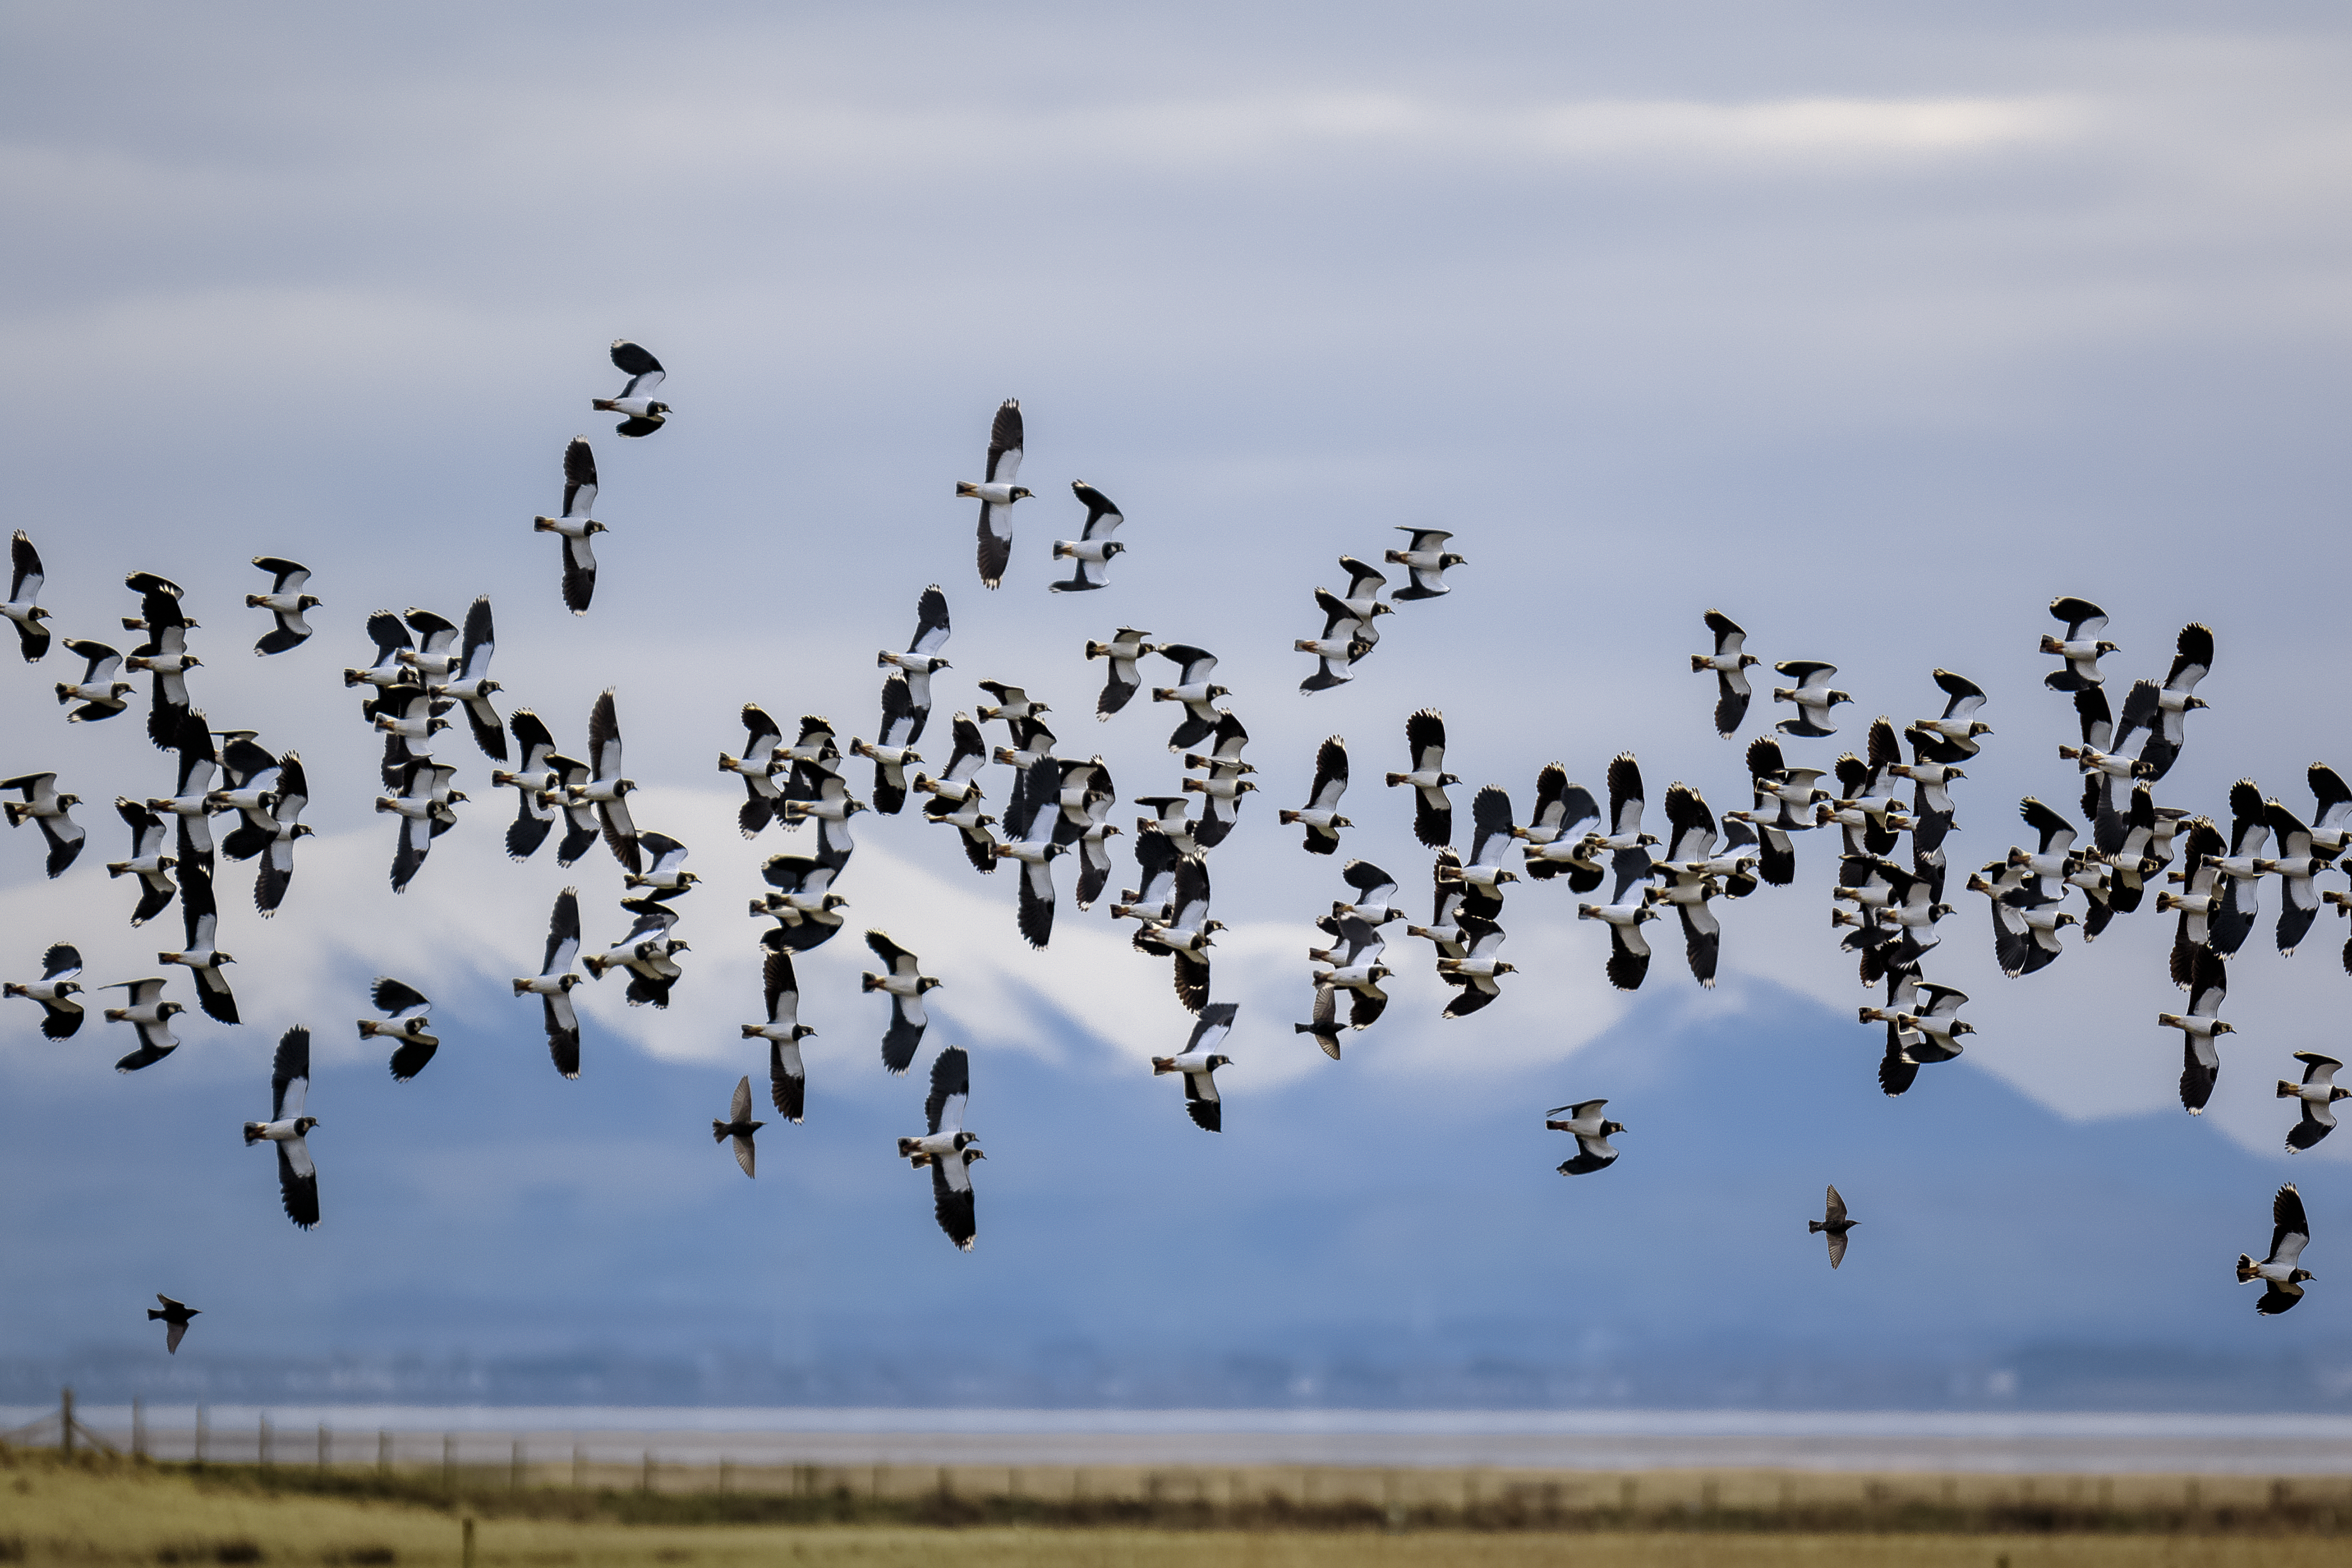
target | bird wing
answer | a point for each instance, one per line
(943, 1109)
(604, 737)
(2291, 1231)
(1004, 441)
(2080, 615)
(1693, 823)
(738, 1107)
(2193, 658)
(1372, 885)
(897, 958)
(932, 627)
(1625, 801)
(1424, 739)
(1490, 826)
(1836, 1205)
(579, 478)
(781, 987)
(1966, 695)
(563, 933)
(644, 370)
(289, 1074)
(298, 1182)
(397, 1000)
(1330, 775)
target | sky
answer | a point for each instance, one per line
(1876, 331)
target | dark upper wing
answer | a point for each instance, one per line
(292, 1063)
(951, 1081)
(1424, 739)
(930, 622)
(1004, 437)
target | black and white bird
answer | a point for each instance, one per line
(1320, 815)
(1688, 880)
(2331, 822)
(892, 749)
(2318, 1092)
(1167, 818)
(553, 982)
(804, 904)
(2203, 892)
(1195, 690)
(1157, 855)
(997, 493)
(435, 655)
(51, 812)
(668, 876)
(1928, 1010)
(1353, 967)
(905, 983)
(1834, 1223)
(1729, 661)
(390, 636)
(1444, 930)
(285, 600)
(1120, 678)
(425, 806)
(1785, 802)
(1032, 818)
(956, 797)
(1492, 839)
(102, 696)
(947, 1148)
(61, 1015)
(1427, 558)
(922, 657)
(783, 1031)
(1813, 696)
(757, 768)
(1012, 702)
(1087, 795)
(289, 1128)
(407, 1019)
(738, 1126)
(1187, 935)
(165, 657)
(645, 415)
(533, 781)
(148, 862)
(469, 682)
(1553, 845)
(408, 718)
(147, 1012)
(1199, 1062)
(2201, 1027)
(1222, 786)
(1625, 913)
(1957, 725)
(648, 951)
(606, 790)
(247, 783)
(2241, 869)
(575, 526)
(1907, 1049)
(1583, 1122)
(2161, 712)
(581, 830)
(1474, 973)
(202, 955)
(2081, 647)
(1090, 553)
(22, 605)
(175, 1317)
(1424, 739)
(1350, 627)
(2282, 1273)
(1375, 890)
(2025, 923)
(2294, 867)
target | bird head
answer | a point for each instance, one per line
(68, 987)
(975, 1153)
(1507, 968)
(2222, 1028)
(925, 983)
(1113, 548)
(67, 801)
(1748, 658)
(595, 527)
(568, 982)
(301, 831)
(2338, 1092)
(302, 1124)
(1220, 925)
(1219, 1061)
(1217, 691)
(164, 1010)
(657, 410)
(835, 901)
(1019, 492)
(1961, 1030)
(1838, 696)
(850, 807)
(801, 1032)
(1507, 876)
(1609, 1127)
(2107, 648)
(2066, 919)
(1379, 971)
(2297, 1276)
(307, 602)
(2195, 702)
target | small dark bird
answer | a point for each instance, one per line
(738, 1125)
(176, 1316)
(1834, 1225)
(289, 1127)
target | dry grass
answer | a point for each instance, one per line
(103, 1513)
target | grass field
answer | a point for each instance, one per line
(103, 1511)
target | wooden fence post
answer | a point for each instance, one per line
(322, 1448)
(65, 1421)
(261, 1440)
(383, 1450)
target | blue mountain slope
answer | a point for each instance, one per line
(1386, 1230)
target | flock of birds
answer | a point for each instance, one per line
(233, 797)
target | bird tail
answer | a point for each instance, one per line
(2285, 1089)
(252, 1134)
(717, 1131)
(520, 986)
(1287, 816)
(1162, 1063)
(1814, 1227)
(906, 1147)
(153, 1313)
(595, 967)
(605, 405)
(2245, 1268)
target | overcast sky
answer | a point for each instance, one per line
(1876, 332)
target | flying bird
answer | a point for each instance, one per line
(1187, 935)
(648, 952)
(803, 903)
(956, 797)
(738, 1125)
(1195, 690)
(1031, 820)
(2201, 1027)
(61, 1015)
(783, 1031)
(1120, 680)
(25, 588)
(289, 1128)
(469, 683)
(893, 746)
(202, 955)
(534, 781)
(1320, 815)
(1424, 739)
(1834, 1225)
(1474, 973)
(102, 696)
(51, 812)
(2296, 867)
(1357, 970)
(921, 658)
(2318, 1092)
(1583, 1122)
(553, 982)
(1729, 661)
(1552, 844)
(405, 1020)
(905, 982)
(575, 526)
(1427, 558)
(1199, 1062)
(148, 1012)
(1350, 627)
(947, 1148)
(1090, 553)
(427, 808)
(757, 768)
(148, 862)
(2162, 712)
(636, 400)
(2241, 869)
(669, 876)
(606, 790)
(2081, 647)
(164, 655)
(996, 493)
(174, 1316)
(2282, 1273)
(285, 600)
(1812, 695)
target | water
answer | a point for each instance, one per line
(1886, 1441)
